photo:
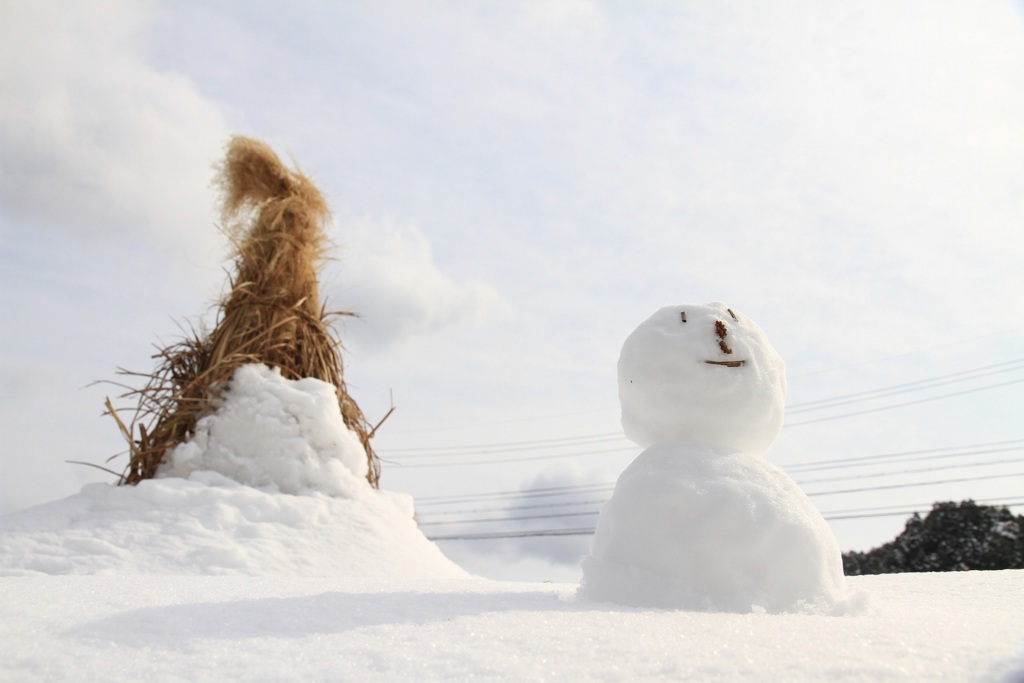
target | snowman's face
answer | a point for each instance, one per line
(701, 373)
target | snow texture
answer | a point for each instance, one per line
(670, 392)
(333, 581)
(940, 628)
(709, 530)
(273, 483)
(272, 431)
(700, 520)
(209, 524)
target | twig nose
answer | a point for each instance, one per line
(721, 330)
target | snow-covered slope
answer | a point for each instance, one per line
(273, 483)
(209, 524)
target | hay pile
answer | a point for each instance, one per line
(273, 313)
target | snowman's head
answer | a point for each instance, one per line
(701, 373)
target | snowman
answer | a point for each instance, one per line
(700, 520)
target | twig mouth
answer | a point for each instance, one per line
(727, 363)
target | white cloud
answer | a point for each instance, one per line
(92, 138)
(388, 276)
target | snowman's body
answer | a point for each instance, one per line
(700, 520)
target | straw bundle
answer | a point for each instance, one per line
(273, 313)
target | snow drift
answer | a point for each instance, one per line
(209, 524)
(272, 483)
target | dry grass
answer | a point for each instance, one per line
(273, 313)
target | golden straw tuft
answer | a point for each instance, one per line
(273, 314)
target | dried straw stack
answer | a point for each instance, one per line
(273, 314)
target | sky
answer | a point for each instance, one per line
(515, 187)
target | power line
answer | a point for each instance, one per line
(925, 454)
(527, 493)
(588, 411)
(463, 511)
(940, 380)
(498, 423)
(906, 403)
(915, 484)
(1001, 501)
(432, 522)
(911, 471)
(484, 449)
(521, 518)
(535, 506)
(501, 461)
(799, 483)
(589, 531)
(580, 440)
(916, 352)
(555, 456)
(939, 453)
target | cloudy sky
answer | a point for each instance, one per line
(515, 187)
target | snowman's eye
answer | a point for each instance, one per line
(682, 316)
(732, 314)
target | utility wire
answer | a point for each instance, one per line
(916, 484)
(1002, 502)
(940, 380)
(872, 361)
(589, 531)
(906, 403)
(580, 440)
(869, 460)
(485, 449)
(555, 456)
(525, 458)
(876, 475)
(535, 506)
(528, 493)
(521, 518)
(820, 403)
(924, 454)
(432, 521)
(915, 352)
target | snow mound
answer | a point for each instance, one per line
(209, 524)
(701, 373)
(273, 483)
(272, 431)
(693, 527)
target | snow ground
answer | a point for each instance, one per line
(208, 579)
(257, 571)
(924, 627)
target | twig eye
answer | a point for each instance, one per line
(732, 314)
(682, 316)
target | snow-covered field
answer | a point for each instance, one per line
(934, 627)
(239, 563)
(206, 579)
